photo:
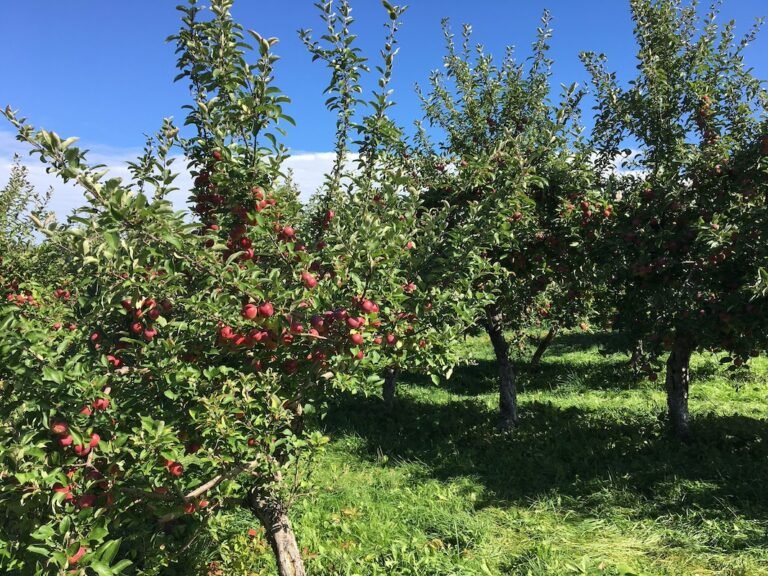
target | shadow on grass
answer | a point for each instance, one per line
(480, 377)
(595, 461)
(574, 341)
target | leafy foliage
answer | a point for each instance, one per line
(690, 234)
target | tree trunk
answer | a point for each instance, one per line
(297, 424)
(636, 358)
(390, 385)
(543, 345)
(280, 535)
(677, 381)
(507, 391)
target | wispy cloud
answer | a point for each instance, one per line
(308, 168)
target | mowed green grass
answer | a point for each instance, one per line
(590, 482)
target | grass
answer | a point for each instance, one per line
(590, 483)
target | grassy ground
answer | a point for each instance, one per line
(589, 484)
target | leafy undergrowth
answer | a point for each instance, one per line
(590, 483)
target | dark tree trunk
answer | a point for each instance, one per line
(507, 391)
(280, 536)
(390, 384)
(297, 424)
(636, 358)
(677, 381)
(543, 345)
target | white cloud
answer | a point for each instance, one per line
(309, 169)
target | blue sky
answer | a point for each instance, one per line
(103, 71)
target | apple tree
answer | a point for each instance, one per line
(370, 216)
(690, 235)
(21, 254)
(514, 180)
(172, 382)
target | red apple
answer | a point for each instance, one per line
(192, 447)
(86, 501)
(309, 280)
(174, 468)
(59, 428)
(250, 311)
(65, 440)
(95, 439)
(266, 309)
(75, 558)
(291, 366)
(226, 333)
(340, 314)
(66, 490)
(149, 334)
(82, 450)
(98, 478)
(101, 403)
(356, 339)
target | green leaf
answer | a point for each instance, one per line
(53, 375)
(173, 241)
(108, 550)
(101, 568)
(112, 239)
(97, 533)
(39, 550)
(64, 525)
(120, 566)
(43, 533)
